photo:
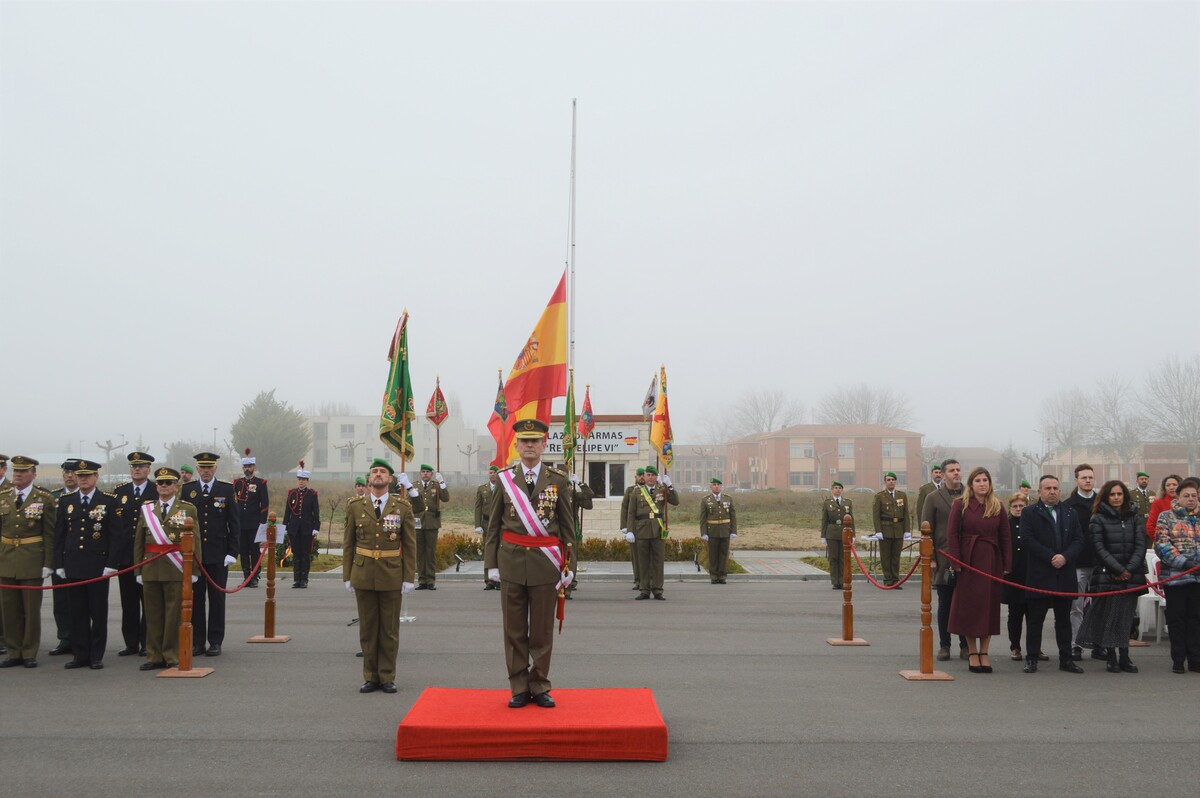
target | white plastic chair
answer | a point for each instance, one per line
(1152, 602)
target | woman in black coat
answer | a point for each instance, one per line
(1119, 543)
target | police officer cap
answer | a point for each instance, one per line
(86, 467)
(530, 429)
(837, 484)
(379, 462)
(891, 474)
(360, 481)
(715, 481)
(3, 459)
(206, 458)
(139, 458)
(23, 463)
(652, 470)
(69, 465)
(165, 474)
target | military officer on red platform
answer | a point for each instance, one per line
(132, 495)
(216, 506)
(253, 506)
(302, 520)
(378, 566)
(85, 547)
(530, 522)
(27, 516)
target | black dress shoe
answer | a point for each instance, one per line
(31, 663)
(544, 700)
(721, 581)
(304, 585)
(359, 654)
(519, 700)
(197, 651)
(431, 587)
(97, 666)
(1070, 667)
(295, 585)
(388, 687)
(369, 687)
(838, 587)
(142, 651)
(641, 596)
(1176, 668)
(660, 597)
(1076, 653)
(489, 586)
(127, 652)
(1099, 653)
(1031, 666)
(422, 587)
(75, 664)
(11, 663)
(60, 649)
(213, 651)
(151, 666)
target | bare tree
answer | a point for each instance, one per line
(862, 404)
(1116, 428)
(717, 426)
(756, 411)
(1172, 402)
(931, 455)
(1067, 419)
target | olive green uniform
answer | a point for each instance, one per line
(483, 510)
(890, 514)
(528, 578)
(378, 557)
(832, 514)
(922, 495)
(643, 520)
(1143, 501)
(26, 547)
(718, 520)
(162, 582)
(633, 558)
(428, 522)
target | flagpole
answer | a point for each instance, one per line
(571, 248)
(438, 427)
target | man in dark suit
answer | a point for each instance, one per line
(1053, 541)
(253, 506)
(85, 546)
(216, 505)
(132, 495)
(302, 520)
(62, 610)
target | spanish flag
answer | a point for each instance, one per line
(660, 431)
(538, 375)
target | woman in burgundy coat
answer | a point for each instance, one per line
(978, 536)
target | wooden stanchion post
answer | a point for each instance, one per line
(185, 670)
(847, 638)
(268, 635)
(926, 673)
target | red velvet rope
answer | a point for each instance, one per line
(1134, 589)
(85, 581)
(253, 573)
(871, 579)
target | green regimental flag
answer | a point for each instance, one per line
(569, 424)
(395, 420)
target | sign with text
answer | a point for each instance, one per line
(601, 441)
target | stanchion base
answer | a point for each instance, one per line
(175, 673)
(275, 639)
(407, 618)
(1138, 644)
(837, 641)
(936, 676)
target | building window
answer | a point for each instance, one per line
(901, 477)
(345, 450)
(805, 479)
(846, 450)
(321, 431)
(893, 449)
(348, 430)
(321, 458)
(799, 451)
(846, 478)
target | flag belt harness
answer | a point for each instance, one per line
(529, 541)
(377, 554)
(23, 541)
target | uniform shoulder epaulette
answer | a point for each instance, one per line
(353, 499)
(558, 471)
(39, 488)
(123, 484)
(508, 467)
(313, 491)
(222, 482)
(106, 493)
(148, 501)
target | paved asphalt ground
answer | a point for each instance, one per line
(755, 701)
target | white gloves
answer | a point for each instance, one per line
(348, 588)
(478, 530)
(60, 573)
(45, 572)
(666, 480)
(629, 536)
(406, 588)
(493, 574)
(109, 571)
(139, 579)
(405, 482)
(732, 535)
(194, 579)
(704, 537)
(439, 480)
(229, 560)
(316, 532)
(575, 479)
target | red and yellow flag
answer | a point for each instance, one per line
(538, 375)
(437, 412)
(661, 437)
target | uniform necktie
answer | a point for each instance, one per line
(206, 490)
(137, 493)
(839, 501)
(163, 509)
(20, 500)
(379, 508)
(86, 501)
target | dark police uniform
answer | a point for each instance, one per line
(132, 497)
(301, 515)
(62, 612)
(218, 533)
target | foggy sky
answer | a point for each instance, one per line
(975, 204)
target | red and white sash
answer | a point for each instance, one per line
(533, 525)
(160, 535)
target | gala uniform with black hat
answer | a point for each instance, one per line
(27, 516)
(218, 527)
(718, 525)
(253, 501)
(302, 520)
(131, 496)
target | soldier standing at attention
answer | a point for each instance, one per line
(639, 479)
(302, 519)
(360, 486)
(432, 489)
(718, 525)
(62, 612)
(483, 510)
(186, 475)
(131, 495)
(27, 516)
(833, 512)
(1143, 496)
(937, 473)
(85, 546)
(891, 520)
(216, 507)
(4, 482)
(159, 531)
(253, 505)
(378, 566)
(645, 521)
(530, 522)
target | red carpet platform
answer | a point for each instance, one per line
(621, 724)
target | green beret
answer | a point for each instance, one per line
(936, 467)
(493, 469)
(187, 468)
(426, 467)
(379, 462)
(891, 474)
(1143, 474)
(360, 481)
(1025, 484)
(641, 472)
(652, 470)
(715, 481)
(837, 484)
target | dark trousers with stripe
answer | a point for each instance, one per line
(89, 621)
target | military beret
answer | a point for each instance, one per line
(837, 484)
(187, 468)
(22, 463)
(652, 470)
(530, 429)
(936, 467)
(86, 467)
(493, 469)
(206, 458)
(139, 458)
(1025, 484)
(891, 474)
(1143, 474)
(379, 462)
(641, 471)
(165, 474)
(715, 481)
(360, 481)
(426, 467)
